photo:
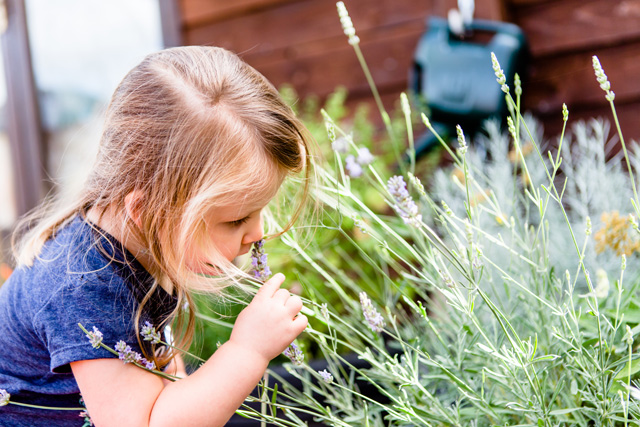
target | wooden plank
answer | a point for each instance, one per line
(495, 10)
(199, 12)
(319, 69)
(512, 3)
(628, 114)
(298, 23)
(484, 9)
(563, 26)
(571, 79)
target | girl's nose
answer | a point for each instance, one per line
(254, 233)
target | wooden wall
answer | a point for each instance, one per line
(301, 42)
(563, 35)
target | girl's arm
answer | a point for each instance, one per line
(125, 395)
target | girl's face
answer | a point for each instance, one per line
(232, 229)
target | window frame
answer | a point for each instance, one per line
(23, 116)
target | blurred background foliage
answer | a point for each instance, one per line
(336, 241)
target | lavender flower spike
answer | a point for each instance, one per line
(260, 269)
(364, 156)
(347, 25)
(374, 319)
(95, 337)
(602, 79)
(340, 145)
(4, 397)
(149, 333)
(353, 167)
(127, 355)
(404, 204)
(326, 376)
(294, 353)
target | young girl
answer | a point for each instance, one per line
(196, 143)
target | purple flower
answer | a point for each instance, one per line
(4, 397)
(127, 355)
(294, 353)
(374, 319)
(341, 145)
(353, 168)
(260, 269)
(326, 376)
(364, 156)
(404, 204)
(95, 337)
(149, 333)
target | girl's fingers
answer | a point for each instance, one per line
(294, 304)
(299, 323)
(281, 295)
(271, 286)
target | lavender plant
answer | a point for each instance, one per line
(508, 285)
(502, 292)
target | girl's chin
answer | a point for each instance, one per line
(208, 269)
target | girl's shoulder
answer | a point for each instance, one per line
(82, 276)
(78, 257)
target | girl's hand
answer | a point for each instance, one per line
(271, 321)
(125, 395)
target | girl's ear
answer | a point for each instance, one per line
(132, 203)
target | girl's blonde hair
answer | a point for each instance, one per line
(189, 129)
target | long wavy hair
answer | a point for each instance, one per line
(189, 129)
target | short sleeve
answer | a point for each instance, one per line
(94, 299)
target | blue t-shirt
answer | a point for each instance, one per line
(82, 275)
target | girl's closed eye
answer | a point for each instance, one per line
(238, 222)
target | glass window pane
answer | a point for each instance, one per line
(80, 51)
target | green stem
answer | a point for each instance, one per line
(182, 350)
(51, 408)
(412, 151)
(153, 371)
(626, 157)
(628, 384)
(383, 111)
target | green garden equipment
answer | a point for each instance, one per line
(453, 73)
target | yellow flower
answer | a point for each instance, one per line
(615, 235)
(480, 197)
(458, 174)
(527, 149)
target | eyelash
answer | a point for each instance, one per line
(238, 222)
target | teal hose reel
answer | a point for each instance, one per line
(454, 75)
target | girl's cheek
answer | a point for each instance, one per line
(227, 246)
